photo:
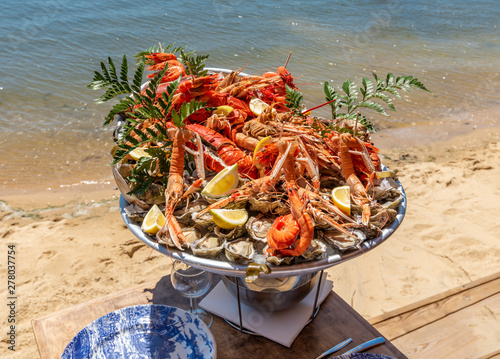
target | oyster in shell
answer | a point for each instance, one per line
(208, 246)
(257, 227)
(341, 241)
(192, 235)
(229, 235)
(186, 214)
(240, 250)
(279, 260)
(136, 212)
(264, 206)
(382, 217)
(315, 249)
(205, 221)
(393, 203)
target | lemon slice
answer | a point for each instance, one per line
(224, 181)
(257, 106)
(262, 143)
(229, 218)
(223, 110)
(342, 198)
(153, 221)
(138, 153)
(384, 174)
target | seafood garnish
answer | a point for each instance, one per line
(187, 124)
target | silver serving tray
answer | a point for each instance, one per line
(224, 267)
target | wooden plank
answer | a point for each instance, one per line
(495, 355)
(472, 332)
(433, 299)
(399, 325)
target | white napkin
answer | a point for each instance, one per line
(282, 327)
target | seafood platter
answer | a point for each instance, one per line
(232, 173)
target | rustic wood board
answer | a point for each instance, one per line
(472, 332)
(415, 305)
(399, 324)
(335, 322)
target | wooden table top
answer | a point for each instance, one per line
(335, 322)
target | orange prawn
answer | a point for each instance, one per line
(283, 232)
(304, 222)
(357, 188)
(227, 150)
(175, 184)
(174, 67)
(300, 220)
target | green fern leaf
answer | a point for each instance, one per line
(374, 106)
(137, 80)
(124, 70)
(161, 130)
(142, 135)
(390, 80)
(294, 99)
(151, 132)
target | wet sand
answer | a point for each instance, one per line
(72, 245)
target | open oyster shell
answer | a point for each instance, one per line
(315, 249)
(257, 227)
(192, 235)
(209, 246)
(277, 260)
(205, 221)
(342, 241)
(186, 214)
(240, 251)
(229, 235)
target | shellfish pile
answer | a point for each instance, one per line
(191, 124)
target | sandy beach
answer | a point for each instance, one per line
(72, 245)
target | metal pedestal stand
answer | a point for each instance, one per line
(246, 331)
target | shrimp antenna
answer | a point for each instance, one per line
(288, 59)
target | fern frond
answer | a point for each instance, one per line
(186, 110)
(294, 99)
(378, 89)
(195, 63)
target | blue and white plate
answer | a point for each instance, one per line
(363, 356)
(143, 332)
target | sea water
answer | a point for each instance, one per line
(52, 132)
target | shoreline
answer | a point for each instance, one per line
(81, 164)
(73, 246)
(391, 142)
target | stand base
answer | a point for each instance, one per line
(247, 331)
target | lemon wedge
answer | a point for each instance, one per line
(138, 153)
(262, 143)
(257, 106)
(223, 110)
(342, 198)
(153, 221)
(224, 181)
(229, 218)
(384, 174)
